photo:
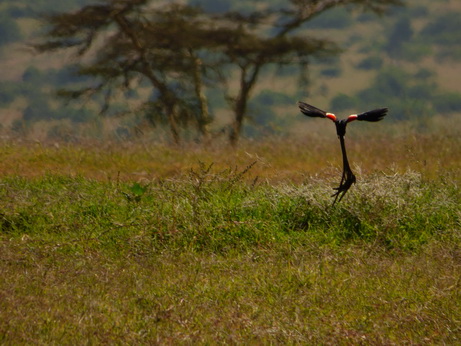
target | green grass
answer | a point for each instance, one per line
(211, 256)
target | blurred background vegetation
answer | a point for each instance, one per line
(408, 60)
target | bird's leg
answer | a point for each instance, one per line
(339, 189)
(344, 187)
(347, 179)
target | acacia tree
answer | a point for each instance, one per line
(269, 37)
(122, 42)
(249, 53)
(175, 46)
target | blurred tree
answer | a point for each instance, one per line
(38, 109)
(343, 102)
(444, 29)
(19, 127)
(178, 48)
(7, 93)
(338, 18)
(272, 98)
(331, 72)
(213, 6)
(9, 30)
(408, 95)
(32, 75)
(126, 41)
(251, 46)
(372, 62)
(448, 102)
(400, 33)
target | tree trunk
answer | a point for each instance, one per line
(173, 122)
(241, 102)
(203, 119)
(239, 114)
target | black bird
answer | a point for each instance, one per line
(348, 178)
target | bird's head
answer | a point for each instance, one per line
(341, 127)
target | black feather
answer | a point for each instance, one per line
(311, 110)
(374, 115)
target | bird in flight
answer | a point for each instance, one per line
(348, 177)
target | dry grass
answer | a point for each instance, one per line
(433, 149)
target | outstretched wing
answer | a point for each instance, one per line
(315, 112)
(374, 115)
(311, 111)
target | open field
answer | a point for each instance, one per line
(432, 147)
(145, 244)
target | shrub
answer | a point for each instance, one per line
(331, 72)
(61, 132)
(213, 6)
(444, 30)
(371, 63)
(421, 91)
(32, 75)
(337, 18)
(38, 109)
(400, 34)
(448, 102)
(269, 98)
(19, 127)
(424, 74)
(7, 94)
(343, 102)
(415, 51)
(9, 30)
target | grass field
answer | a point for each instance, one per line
(154, 244)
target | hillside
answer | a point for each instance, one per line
(408, 60)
